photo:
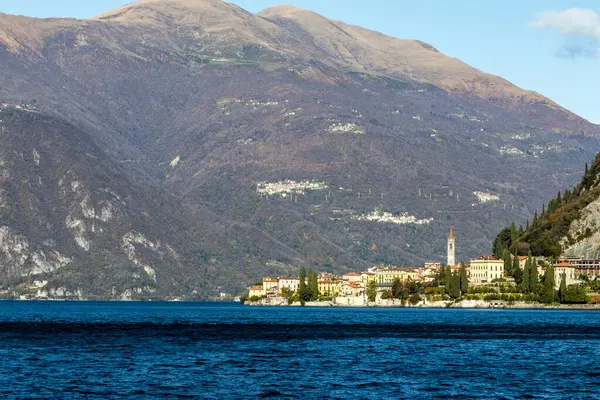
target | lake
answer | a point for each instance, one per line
(228, 351)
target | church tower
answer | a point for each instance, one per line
(451, 249)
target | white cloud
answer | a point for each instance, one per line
(579, 27)
(574, 21)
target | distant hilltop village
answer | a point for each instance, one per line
(486, 279)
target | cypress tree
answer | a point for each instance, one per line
(397, 289)
(548, 292)
(535, 218)
(464, 279)
(514, 236)
(559, 199)
(302, 291)
(508, 266)
(449, 281)
(302, 278)
(533, 275)
(455, 287)
(543, 209)
(441, 278)
(517, 271)
(313, 284)
(563, 287)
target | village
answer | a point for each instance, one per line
(485, 279)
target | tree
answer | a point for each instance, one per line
(302, 278)
(464, 279)
(502, 242)
(412, 287)
(575, 294)
(533, 275)
(415, 299)
(397, 288)
(371, 291)
(567, 196)
(548, 289)
(441, 276)
(304, 291)
(562, 290)
(508, 266)
(514, 235)
(517, 271)
(448, 280)
(455, 286)
(313, 284)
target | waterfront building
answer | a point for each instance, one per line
(451, 249)
(270, 286)
(485, 270)
(330, 287)
(366, 277)
(354, 289)
(256, 291)
(568, 270)
(385, 277)
(589, 268)
(291, 284)
(351, 277)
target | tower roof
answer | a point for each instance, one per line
(451, 236)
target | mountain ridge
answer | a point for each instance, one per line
(250, 150)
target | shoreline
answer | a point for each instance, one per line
(464, 304)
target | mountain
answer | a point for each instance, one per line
(569, 225)
(243, 145)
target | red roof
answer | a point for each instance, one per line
(352, 274)
(564, 264)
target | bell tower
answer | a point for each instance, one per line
(451, 249)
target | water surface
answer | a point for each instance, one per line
(228, 351)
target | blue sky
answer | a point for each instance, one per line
(550, 46)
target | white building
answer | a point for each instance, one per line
(451, 249)
(291, 284)
(569, 271)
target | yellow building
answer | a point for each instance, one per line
(270, 286)
(256, 291)
(387, 276)
(366, 277)
(485, 270)
(330, 287)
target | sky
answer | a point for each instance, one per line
(550, 46)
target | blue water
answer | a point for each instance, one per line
(227, 351)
